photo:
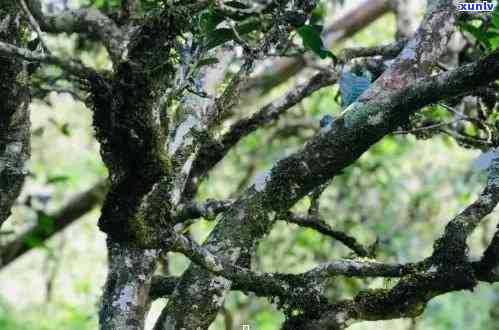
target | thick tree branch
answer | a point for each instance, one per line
(298, 290)
(379, 111)
(451, 247)
(213, 152)
(488, 267)
(446, 270)
(407, 298)
(126, 294)
(163, 286)
(14, 114)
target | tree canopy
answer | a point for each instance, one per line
(304, 164)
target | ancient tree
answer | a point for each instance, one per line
(160, 115)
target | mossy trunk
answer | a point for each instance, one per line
(14, 113)
(125, 299)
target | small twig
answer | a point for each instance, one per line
(316, 223)
(389, 51)
(470, 119)
(342, 267)
(189, 214)
(34, 24)
(230, 95)
(454, 111)
(71, 66)
(468, 140)
(315, 196)
(428, 127)
(208, 210)
(238, 38)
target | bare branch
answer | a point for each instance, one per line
(34, 24)
(90, 21)
(322, 227)
(451, 247)
(230, 95)
(72, 66)
(292, 287)
(408, 298)
(356, 19)
(211, 208)
(387, 51)
(445, 271)
(214, 151)
(389, 102)
(73, 210)
(208, 210)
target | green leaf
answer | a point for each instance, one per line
(219, 36)
(318, 28)
(222, 35)
(207, 61)
(65, 129)
(311, 38)
(495, 18)
(237, 4)
(494, 42)
(33, 241)
(318, 14)
(58, 178)
(209, 20)
(480, 35)
(46, 223)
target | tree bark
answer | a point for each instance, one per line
(199, 295)
(345, 26)
(125, 300)
(14, 112)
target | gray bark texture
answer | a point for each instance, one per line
(14, 113)
(159, 134)
(199, 295)
(126, 294)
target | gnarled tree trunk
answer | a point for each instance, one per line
(14, 113)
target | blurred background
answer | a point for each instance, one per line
(401, 193)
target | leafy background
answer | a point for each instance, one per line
(403, 191)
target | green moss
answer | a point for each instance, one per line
(451, 248)
(380, 304)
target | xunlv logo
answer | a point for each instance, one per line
(479, 6)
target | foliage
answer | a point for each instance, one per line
(396, 199)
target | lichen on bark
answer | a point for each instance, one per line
(14, 111)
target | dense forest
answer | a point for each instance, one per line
(266, 164)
